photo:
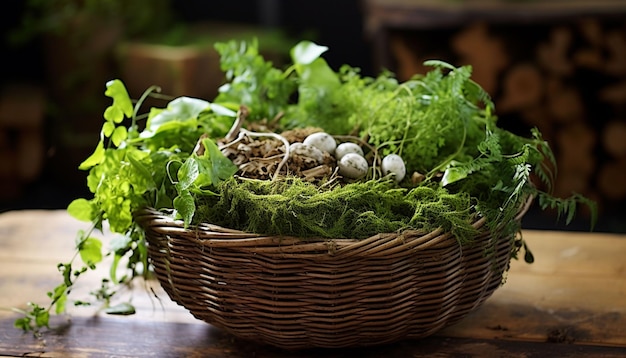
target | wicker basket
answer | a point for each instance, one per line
(328, 293)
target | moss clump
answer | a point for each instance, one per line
(293, 207)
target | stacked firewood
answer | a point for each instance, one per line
(567, 79)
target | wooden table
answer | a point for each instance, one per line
(570, 303)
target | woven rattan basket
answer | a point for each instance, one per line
(327, 293)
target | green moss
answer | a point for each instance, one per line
(293, 207)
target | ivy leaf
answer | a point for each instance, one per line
(90, 251)
(162, 199)
(59, 297)
(187, 174)
(222, 168)
(185, 206)
(42, 318)
(23, 323)
(81, 209)
(59, 306)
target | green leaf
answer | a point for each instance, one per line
(108, 128)
(162, 199)
(180, 109)
(113, 115)
(120, 243)
(439, 63)
(318, 77)
(23, 323)
(185, 206)
(81, 209)
(142, 171)
(222, 168)
(66, 271)
(119, 135)
(453, 174)
(94, 159)
(59, 306)
(528, 255)
(59, 297)
(305, 52)
(90, 251)
(123, 309)
(113, 269)
(42, 318)
(222, 111)
(121, 100)
(188, 173)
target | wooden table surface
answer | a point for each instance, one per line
(570, 303)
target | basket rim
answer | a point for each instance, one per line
(382, 244)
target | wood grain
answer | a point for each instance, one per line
(570, 302)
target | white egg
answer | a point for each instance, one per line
(347, 147)
(322, 141)
(306, 150)
(353, 166)
(393, 164)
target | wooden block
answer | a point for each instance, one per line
(565, 104)
(523, 87)
(177, 70)
(552, 55)
(408, 64)
(485, 52)
(575, 143)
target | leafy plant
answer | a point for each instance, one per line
(442, 123)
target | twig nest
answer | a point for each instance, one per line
(347, 147)
(322, 141)
(353, 166)
(393, 164)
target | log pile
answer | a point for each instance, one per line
(568, 79)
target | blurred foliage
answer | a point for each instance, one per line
(60, 17)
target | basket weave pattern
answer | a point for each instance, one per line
(326, 293)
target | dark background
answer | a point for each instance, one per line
(336, 24)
